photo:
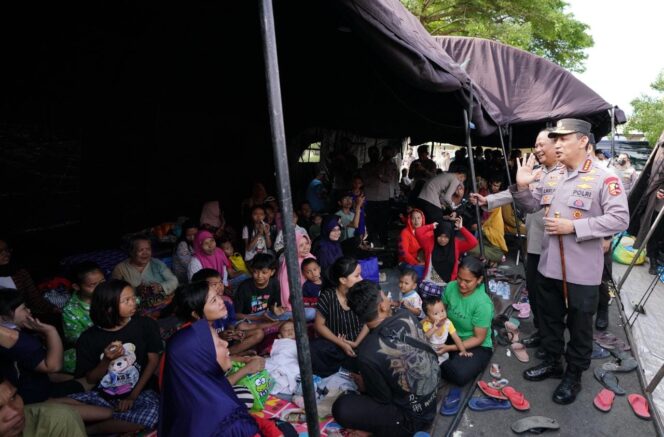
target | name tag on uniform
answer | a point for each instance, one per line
(583, 193)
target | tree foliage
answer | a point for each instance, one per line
(648, 116)
(541, 27)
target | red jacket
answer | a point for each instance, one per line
(425, 238)
(408, 245)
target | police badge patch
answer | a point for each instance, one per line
(613, 184)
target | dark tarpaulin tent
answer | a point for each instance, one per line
(370, 67)
(525, 91)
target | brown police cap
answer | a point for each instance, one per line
(570, 125)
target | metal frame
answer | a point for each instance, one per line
(278, 136)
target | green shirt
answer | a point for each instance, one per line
(53, 420)
(76, 319)
(475, 310)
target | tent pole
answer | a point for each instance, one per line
(651, 231)
(473, 181)
(285, 198)
(509, 183)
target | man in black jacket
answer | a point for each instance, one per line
(399, 371)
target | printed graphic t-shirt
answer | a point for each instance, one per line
(139, 337)
(250, 299)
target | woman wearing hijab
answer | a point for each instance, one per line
(208, 256)
(442, 249)
(329, 247)
(197, 399)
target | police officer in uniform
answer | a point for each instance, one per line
(583, 203)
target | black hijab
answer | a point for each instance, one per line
(443, 258)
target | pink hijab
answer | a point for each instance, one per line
(217, 260)
(283, 275)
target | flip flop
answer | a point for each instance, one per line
(520, 352)
(512, 332)
(498, 384)
(639, 405)
(491, 392)
(599, 353)
(517, 399)
(524, 311)
(608, 380)
(626, 365)
(451, 403)
(537, 424)
(604, 400)
(494, 371)
(620, 354)
(486, 404)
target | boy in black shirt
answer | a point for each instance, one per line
(399, 371)
(258, 299)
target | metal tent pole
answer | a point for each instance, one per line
(473, 181)
(651, 231)
(285, 199)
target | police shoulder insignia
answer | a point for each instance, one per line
(613, 185)
(577, 214)
(587, 165)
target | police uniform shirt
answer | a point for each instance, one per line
(594, 199)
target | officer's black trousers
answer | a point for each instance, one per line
(583, 301)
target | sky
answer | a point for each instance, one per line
(628, 50)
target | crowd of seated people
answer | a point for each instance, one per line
(228, 296)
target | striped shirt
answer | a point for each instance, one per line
(338, 320)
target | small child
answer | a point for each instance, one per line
(349, 213)
(238, 271)
(311, 270)
(282, 365)
(409, 297)
(437, 327)
(76, 312)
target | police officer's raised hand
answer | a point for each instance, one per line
(525, 173)
(478, 199)
(558, 226)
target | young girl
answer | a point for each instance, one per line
(118, 356)
(437, 327)
(303, 252)
(208, 256)
(442, 249)
(184, 251)
(329, 248)
(256, 234)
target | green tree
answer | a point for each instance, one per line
(541, 27)
(648, 116)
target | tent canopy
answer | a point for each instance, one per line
(525, 91)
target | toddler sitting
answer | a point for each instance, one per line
(437, 327)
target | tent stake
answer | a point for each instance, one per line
(285, 199)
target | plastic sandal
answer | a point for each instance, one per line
(491, 392)
(512, 332)
(517, 399)
(534, 423)
(498, 384)
(486, 404)
(626, 365)
(639, 405)
(520, 352)
(608, 380)
(451, 403)
(599, 352)
(494, 371)
(604, 400)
